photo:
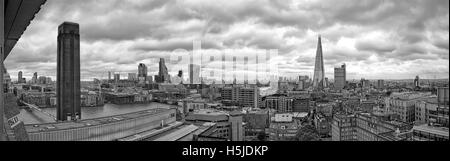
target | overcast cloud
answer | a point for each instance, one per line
(377, 39)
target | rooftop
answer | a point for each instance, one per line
(443, 131)
(90, 122)
(177, 133)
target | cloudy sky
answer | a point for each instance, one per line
(377, 39)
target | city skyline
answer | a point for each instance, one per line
(206, 71)
(415, 36)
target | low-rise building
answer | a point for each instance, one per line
(301, 105)
(228, 126)
(403, 104)
(281, 103)
(427, 132)
(370, 127)
(256, 123)
(344, 128)
(283, 127)
(323, 124)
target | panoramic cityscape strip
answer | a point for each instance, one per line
(200, 94)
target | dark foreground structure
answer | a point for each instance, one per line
(68, 82)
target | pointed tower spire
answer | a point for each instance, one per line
(319, 72)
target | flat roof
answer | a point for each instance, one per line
(55, 126)
(442, 131)
(177, 134)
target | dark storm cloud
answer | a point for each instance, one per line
(143, 30)
(171, 45)
(378, 47)
(39, 55)
(441, 44)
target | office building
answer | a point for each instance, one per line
(365, 83)
(430, 133)
(142, 70)
(20, 78)
(319, 71)
(109, 76)
(132, 76)
(380, 84)
(343, 128)
(283, 127)
(68, 72)
(373, 127)
(163, 74)
(369, 127)
(116, 78)
(340, 77)
(34, 79)
(194, 74)
(42, 80)
(429, 111)
(228, 126)
(149, 79)
(403, 104)
(442, 93)
(417, 82)
(244, 96)
(48, 80)
(281, 103)
(256, 122)
(322, 124)
(301, 105)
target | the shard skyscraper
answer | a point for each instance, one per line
(319, 72)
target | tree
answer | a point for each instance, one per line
(307, 133)
(262, 136)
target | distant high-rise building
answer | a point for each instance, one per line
(417, 82)
(150, 79)
(42, 80)
(34, 80)
(180, 73)
(116, 78)
(132, 76)
(365, 83)
(68, 72)
(109, 76)
(48, 80)
(194, 74)
(303, 78)
(142, 70)
(246, 96)
(319, 71)
(178, 79)
(442, 93)
(19, 77)
(163, 74)
(380, 84)
(340, 77)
